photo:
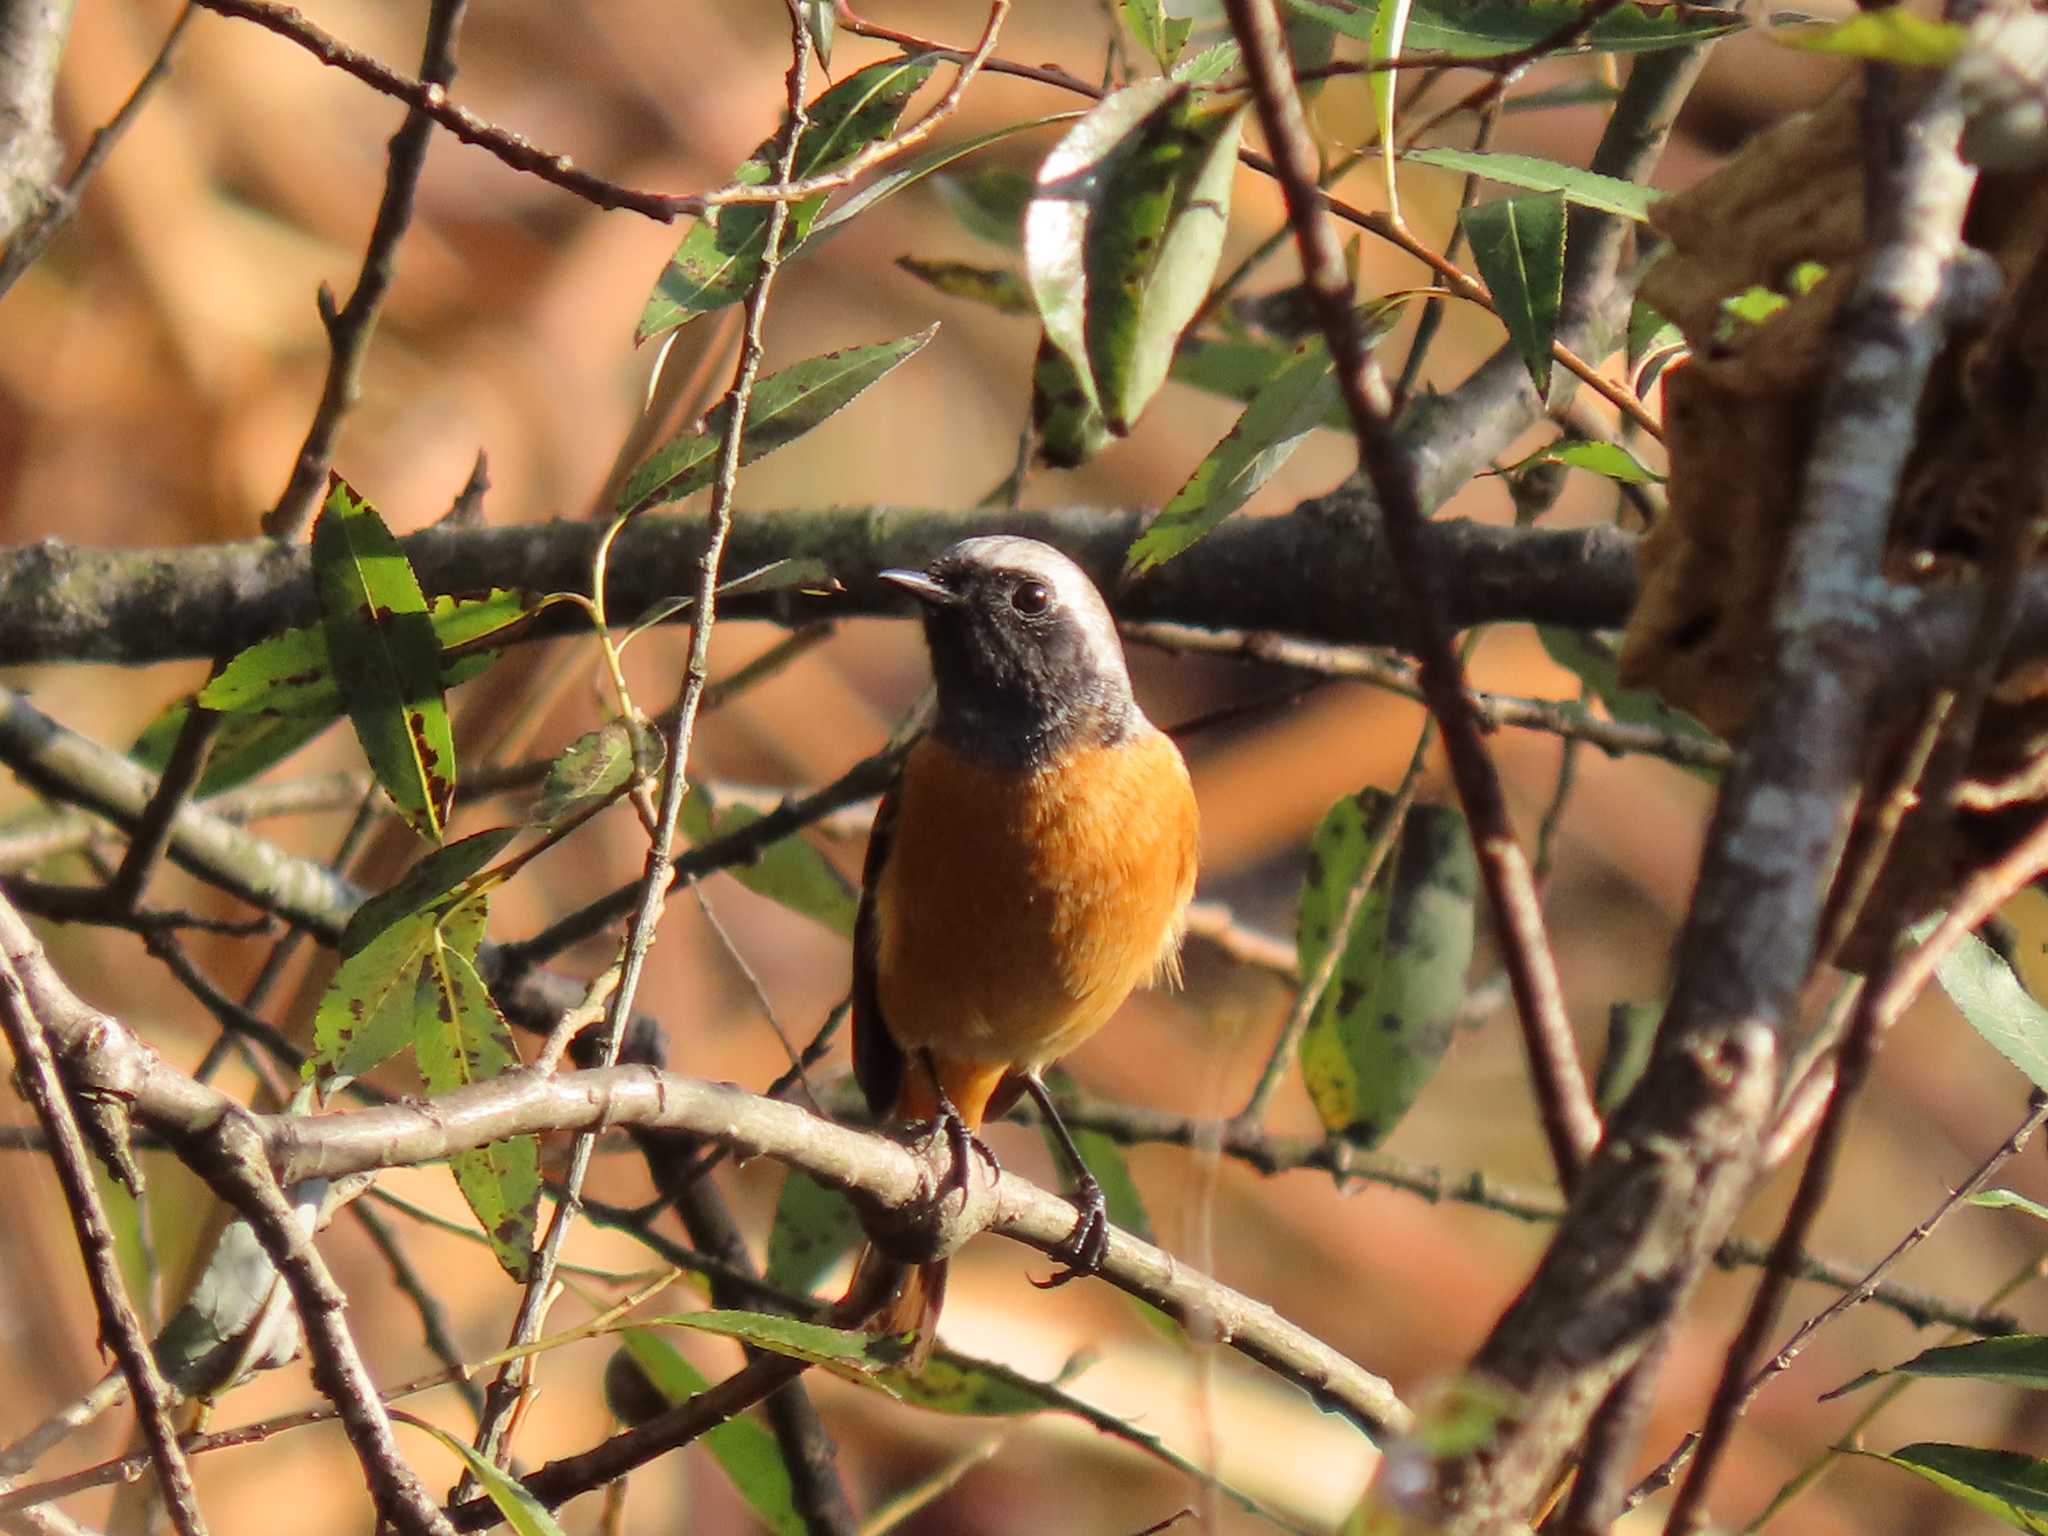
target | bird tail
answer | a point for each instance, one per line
(910, 1307)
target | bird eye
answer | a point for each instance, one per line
(1030, 598)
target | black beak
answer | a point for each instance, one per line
(923, 588)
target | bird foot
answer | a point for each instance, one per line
(1084, 1248)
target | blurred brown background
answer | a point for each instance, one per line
(156, 373)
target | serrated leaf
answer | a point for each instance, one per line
(1889, 36)
(1064, 418)
(913, 171)
(522, 1511)
(815, 1227)
(1609, 459)
(2014, 1360)
(720, 256)
(1281, 414)
(386, 658)
(1386, 1018)
(997, 288)
(789, 870)
(743, 1448)
(425, 885)
(1159, 34)
(785, 406)
(594, 768)
(1610, 194)
(1480, 28)
(367, 1014)
(863, 1354)
(1211, 64)
(1991, 999)
(462, 1039)
(1123, 236)
(2002, 1484)
(1595, 665)
(1518, 246)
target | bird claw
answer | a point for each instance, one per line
(1084, 1248)
(963, 1144)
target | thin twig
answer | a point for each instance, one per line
(1571, 1124)
(349, 328)
(120, 1328)
(655, 882)
(432, 1315)
(33, 237)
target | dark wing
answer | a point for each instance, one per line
(877, 1058)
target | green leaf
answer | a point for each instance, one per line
(424, 885)
(864, 1354)
(785, 406)
(1018, 186)
(1610, 194)
(522, 1511)
(385, 657)
(1157, 33)
(1211, 64)
(978, 1391)
(789, 870)
(989, 203)
(1383, 41)
(1595, 665)
(743, 1448)
(998, 288)
(2003, 1484)
(1609, 459)
(1518, 246)
(1478, 28)
(1891, 36)
(1631, 1032)
(244, 747)
(594, 768)
(1284, 411)
(1574, 93)
(367, 1014)
(2016, 1360)
(1064, 415)
(1991, 999)
(815, 1227)
(462, 1039)
(1386, 1018)
(1123, 237)
(2009, 1200)
(720, 257)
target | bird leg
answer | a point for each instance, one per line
(963, 1142)
(1084, 1248)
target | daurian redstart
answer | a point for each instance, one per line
(1030, 866)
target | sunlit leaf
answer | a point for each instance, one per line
(2009, 1200)
(864, 1354)
(1518, 246)
(1609, 194)
(425, 885)
(743, 1448)
(1159, 34)
(367, 1014)
(1991, 999)
(594, 768)
(1123, 237)
(2003, 1484)
(789, 870)
(1281, 414)
(1480, 28)
(1209, 65)
(386, 658)
(815, 1227)
(785, 406)
(720, 257)
(1608, 459)
(1386, 1018)
(1893, 35)
(2015, 1360)
(462, 1039)
(522, 1511)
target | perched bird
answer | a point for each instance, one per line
(1031, 865)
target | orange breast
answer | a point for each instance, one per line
(1016, 911)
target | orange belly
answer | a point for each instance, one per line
(1041, 898)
